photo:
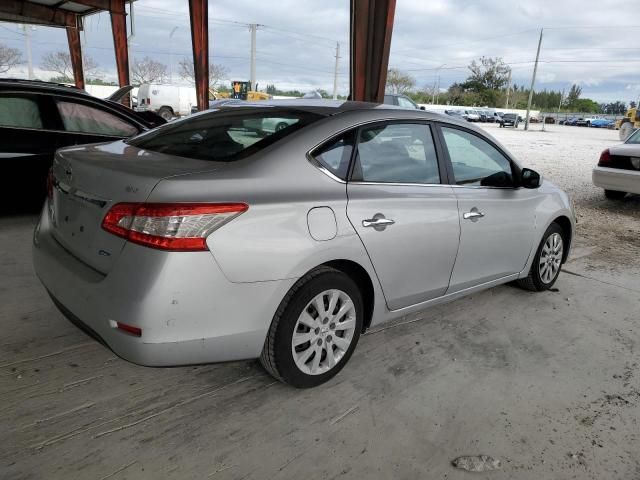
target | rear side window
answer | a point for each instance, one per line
(335, 155)
(396, 153)
(19, 112)
(80, 118)
(225, 135)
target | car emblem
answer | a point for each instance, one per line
(69, 173)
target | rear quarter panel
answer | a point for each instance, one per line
(271, 241)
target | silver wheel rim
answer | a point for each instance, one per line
(550, 258)
(324, 332)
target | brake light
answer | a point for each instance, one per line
(180, 227)
(605, 157)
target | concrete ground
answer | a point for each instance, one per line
(547, 382)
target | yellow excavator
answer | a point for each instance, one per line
(628, 123)
(241, 91)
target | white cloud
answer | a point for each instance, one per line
(296, 46)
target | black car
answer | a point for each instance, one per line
(401, 101)
(509, 120)
(37, 118)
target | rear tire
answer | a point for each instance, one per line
(166, 113)
(315, 329)
(626, 129)
(547, 262)
(614, 194)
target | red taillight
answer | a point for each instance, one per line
(50, 184)
(170, 226)
(605, 157)
(129, 329)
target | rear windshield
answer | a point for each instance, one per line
(226, 135)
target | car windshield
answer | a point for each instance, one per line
(225, 135)
(634, 138)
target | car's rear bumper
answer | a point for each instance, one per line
(617, 179)
(188, 311)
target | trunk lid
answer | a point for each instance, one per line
(626, 150)
(89, 180)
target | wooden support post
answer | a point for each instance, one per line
(119, 30)
(199, 17)
(371, 28)
(75, 53)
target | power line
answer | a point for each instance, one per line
(421, 48)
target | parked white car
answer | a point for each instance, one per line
(168, 101)
(618, 170)
(471, 115)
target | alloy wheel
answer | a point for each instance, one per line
(323, 332)
(551, 258)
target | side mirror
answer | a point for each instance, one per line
(422, 108)
(530, 178)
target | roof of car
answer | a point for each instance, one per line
(329, 108)
(40, 85)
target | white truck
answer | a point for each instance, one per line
(168, 101)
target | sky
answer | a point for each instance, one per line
(586, 42)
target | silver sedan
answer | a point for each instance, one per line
(204, 241)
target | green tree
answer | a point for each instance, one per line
(399, 81)
(487, 74)
(574, 95)
(9, 58)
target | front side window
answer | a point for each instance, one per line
(19, 112)
(80, 118)
(225, 135)
(396, 153)
(335, 155)
(475, 161)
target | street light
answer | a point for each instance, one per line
(436, 75)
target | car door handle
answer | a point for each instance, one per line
(377, 222)
(472, 215)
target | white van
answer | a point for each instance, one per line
(168, 101)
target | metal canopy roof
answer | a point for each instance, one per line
(53, 13)
(371, 26)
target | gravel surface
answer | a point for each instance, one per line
(566, 156)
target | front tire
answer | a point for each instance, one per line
(315, 329)
(547, 262)
(614, 194)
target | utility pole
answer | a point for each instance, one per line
(253, 27)
(437, 91)
(506, 105)
(171, 55)
(560, 105)
(433, 92)
(27, 37)
(533, 81)
(335, 72)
